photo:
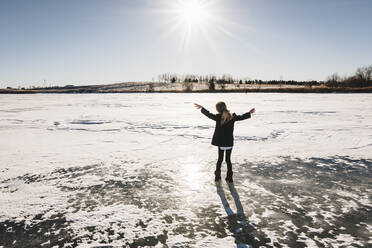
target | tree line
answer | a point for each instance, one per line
(361, 78)
(226, 79)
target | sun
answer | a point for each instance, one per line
(193, 22)
(192, 18)
(192, 12)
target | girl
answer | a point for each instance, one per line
(223, 135)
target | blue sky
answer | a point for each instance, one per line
(108, 41)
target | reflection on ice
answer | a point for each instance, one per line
(191, 177)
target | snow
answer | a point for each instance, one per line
(137, 169)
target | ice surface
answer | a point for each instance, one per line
(137, 170)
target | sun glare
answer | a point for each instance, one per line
(195, 21)
(192, 12)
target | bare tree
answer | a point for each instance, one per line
(211, 84)
(333, 80)
(364, 75)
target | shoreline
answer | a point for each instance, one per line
(85, 90)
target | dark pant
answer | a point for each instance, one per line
(228, 162)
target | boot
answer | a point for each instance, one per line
(229, 178)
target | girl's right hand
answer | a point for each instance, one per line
(252, 111)
(198, 106)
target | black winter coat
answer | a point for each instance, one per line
(223, 134)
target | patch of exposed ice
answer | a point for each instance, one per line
(308, 241)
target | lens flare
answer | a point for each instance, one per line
(192, 12)
(195, 21)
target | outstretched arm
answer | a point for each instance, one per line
(245, 116)
(206, 112)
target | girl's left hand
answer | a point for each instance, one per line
(198, 106)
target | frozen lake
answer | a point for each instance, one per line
(137, 170)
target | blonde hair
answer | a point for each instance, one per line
(222, 109)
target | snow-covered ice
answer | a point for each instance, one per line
(135, 170)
